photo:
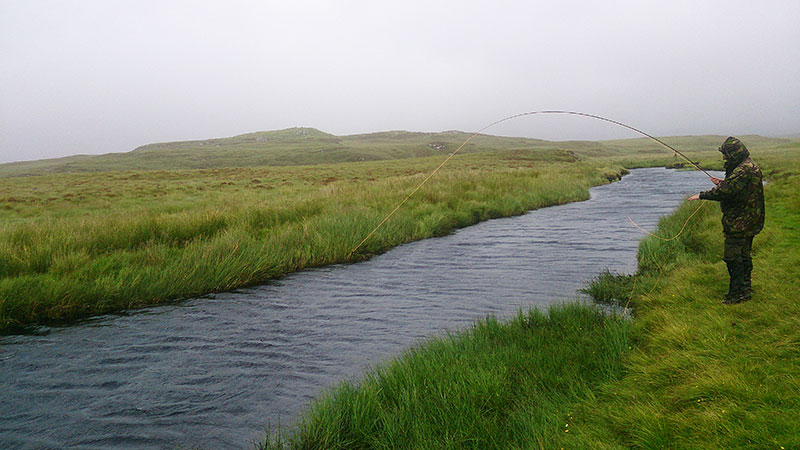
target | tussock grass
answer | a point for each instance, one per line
(611, 288)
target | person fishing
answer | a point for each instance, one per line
(741, 197)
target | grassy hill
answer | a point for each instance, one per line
(309, 146)
(289, 147)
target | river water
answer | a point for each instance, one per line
(214, 371)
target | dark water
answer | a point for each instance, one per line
(213, 371)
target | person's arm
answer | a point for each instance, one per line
(727, 188)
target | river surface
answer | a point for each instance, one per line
(214, 371)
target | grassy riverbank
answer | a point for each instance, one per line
(686, 372)
(73, 245)
(498, 385)
(703, 374)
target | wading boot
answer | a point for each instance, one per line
(732, 298)
(736, 286)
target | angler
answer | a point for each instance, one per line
(741, 197)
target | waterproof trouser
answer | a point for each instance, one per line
(740, 266)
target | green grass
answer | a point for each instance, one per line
(686, 372)
(498, 385)
(611, 288)
(73, 245)
(707, 375)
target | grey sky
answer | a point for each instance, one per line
(108, 76)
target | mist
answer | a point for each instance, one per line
(96, 77)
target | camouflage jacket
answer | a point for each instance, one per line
(741, 194)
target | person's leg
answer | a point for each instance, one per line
(732, 294)
(747, 268)
(733, 257)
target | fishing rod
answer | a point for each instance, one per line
(515, 116)
(593, 116)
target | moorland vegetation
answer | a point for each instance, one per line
(86, 235)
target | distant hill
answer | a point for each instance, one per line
(305, 146)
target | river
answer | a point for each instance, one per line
(214, 371)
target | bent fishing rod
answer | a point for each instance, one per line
(515, 116)
(576, 113)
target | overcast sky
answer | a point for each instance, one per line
(107, 76)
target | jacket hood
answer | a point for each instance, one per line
(735, 152)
